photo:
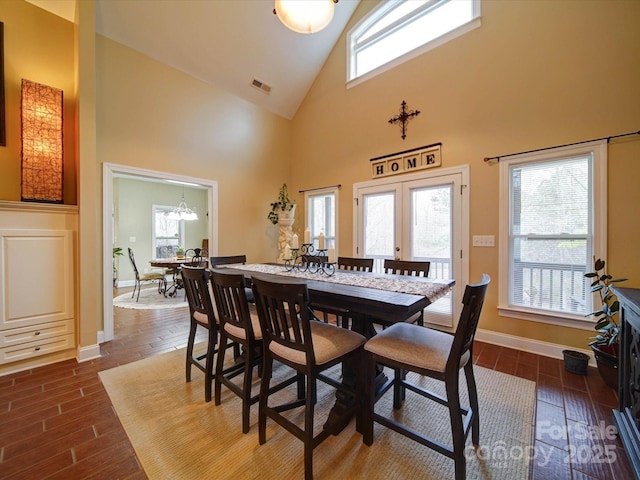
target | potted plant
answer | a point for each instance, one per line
(117, 252)
(282, 206)
(606, 343)
(180, 252)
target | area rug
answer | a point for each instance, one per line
(177, 435)
(150, 299)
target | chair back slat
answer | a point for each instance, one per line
(406, 267)
(472, 301)
(357, 264)
(284, 314)
(231, 300)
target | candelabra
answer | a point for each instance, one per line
(308, 259)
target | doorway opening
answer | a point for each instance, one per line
(112, 171)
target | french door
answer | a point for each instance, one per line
(420, 218)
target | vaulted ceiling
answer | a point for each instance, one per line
(226, 43)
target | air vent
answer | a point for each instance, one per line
(261, 86)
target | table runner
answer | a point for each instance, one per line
(432, 289)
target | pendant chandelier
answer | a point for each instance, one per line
(182, 212)
(305, 16)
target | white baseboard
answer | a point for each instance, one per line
(538, 347)
(88, 353)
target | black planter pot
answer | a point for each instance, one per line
(575, 362)
(607, 362)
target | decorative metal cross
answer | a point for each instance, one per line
(404, 117)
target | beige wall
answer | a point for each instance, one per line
(154, 117)
(535, 74)
(38, 46)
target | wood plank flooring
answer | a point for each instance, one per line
(57, 421)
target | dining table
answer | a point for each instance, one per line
(174, 265)
(365, 296)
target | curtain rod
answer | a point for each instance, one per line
(319, 188)
(608, 139)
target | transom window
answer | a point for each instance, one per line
(401, 29)
(552, 226)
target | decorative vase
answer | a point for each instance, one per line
(575, 362)
(607, 361)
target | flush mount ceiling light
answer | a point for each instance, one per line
(305, 16)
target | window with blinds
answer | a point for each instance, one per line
(552, 222)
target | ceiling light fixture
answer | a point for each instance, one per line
(305, 16)
(182, 212)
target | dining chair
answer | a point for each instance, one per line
(293, 337)
(232, 260)
(357, 264)
(240, 325)
(406, 267)
(146, 277)
(196, 255)
(201, 314)
(228, 260)
(341, 315)
(405, 347)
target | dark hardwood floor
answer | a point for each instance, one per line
(57, 421)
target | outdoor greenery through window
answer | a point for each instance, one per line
(321, 215)
(168, 233)
(552, 222)
(402, 29)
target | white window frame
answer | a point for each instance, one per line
(308, 195)
(166, 209)
(598, 150)
(379, 13)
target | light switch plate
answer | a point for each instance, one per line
(484, 241)
(132, 239)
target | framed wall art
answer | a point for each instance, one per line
(3, 136)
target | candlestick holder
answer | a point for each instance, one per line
(309, 259)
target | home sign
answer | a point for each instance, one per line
(407, 161)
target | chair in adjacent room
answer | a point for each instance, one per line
(197, 256)
(405, 347)
(146, 277)
(357, 264)
(201, 314)
(237, 324)
(294, 338)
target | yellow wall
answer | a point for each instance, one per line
(535, 74)
(38, 46)
(152, 116)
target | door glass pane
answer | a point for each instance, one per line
(431, 228)
(379, 225)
